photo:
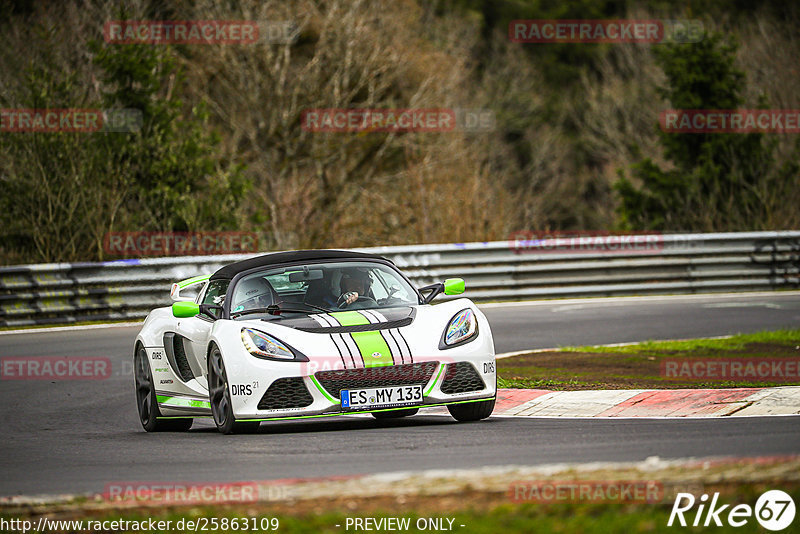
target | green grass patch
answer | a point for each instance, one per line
(536, 383)
(639, 365)
(736, 342)
(479, 513)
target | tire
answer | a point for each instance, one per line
(220, 398)
(146, 402)
(395, 414)
(471, 411)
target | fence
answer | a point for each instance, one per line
(525, 268)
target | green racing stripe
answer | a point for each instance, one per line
(338, 414)
(433, 384)
(190, 281)
(183, 402)
(373, 348)
(322, 390)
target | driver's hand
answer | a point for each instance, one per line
(351, 297)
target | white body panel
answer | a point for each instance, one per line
(177, 397)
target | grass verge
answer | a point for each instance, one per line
(468, 512)
(659, 364)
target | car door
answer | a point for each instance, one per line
(194, 331)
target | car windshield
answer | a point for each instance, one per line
(315, 287)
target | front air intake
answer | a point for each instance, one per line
(461, 377)
(286, 393)
(376, 377)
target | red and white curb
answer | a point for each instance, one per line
(649, 403)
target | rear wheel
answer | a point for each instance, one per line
(472, 411)
(220, 397)
(146, 401)
(395, 414)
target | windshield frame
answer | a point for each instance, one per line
(226, 307)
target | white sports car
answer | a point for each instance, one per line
(311, 333)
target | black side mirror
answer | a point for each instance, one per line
(210, 310)
(451, 286)
(434, 289)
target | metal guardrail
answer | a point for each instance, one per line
(528, 269)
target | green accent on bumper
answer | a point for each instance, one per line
(183, 402)
(336, 414)
(321, 390)
(190, 281)
(436, 380)
(369, 343)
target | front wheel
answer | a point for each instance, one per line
(472, 411)
(220, 398)
(146, 401)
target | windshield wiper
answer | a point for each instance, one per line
(276, 310)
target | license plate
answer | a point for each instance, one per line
(388, 397)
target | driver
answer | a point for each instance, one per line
(253, 293)
(354, 284)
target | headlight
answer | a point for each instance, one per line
(263, 345)
(463, 326)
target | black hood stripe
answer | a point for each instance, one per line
(344, 339)
(325, 323)
(352, 348)
(319, 320)
(369, 317)
(410, 356)
(356, 328)
(389, 345)
(381, 317)
(339, 351)
(394, 346)
(378, 317)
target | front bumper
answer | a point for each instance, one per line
(318, 394)
(264, 390)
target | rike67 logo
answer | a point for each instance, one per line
(774, 510)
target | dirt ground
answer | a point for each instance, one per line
(567, 370)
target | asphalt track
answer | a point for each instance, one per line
(78, 436)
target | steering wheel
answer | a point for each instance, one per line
(342, 303)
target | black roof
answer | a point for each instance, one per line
(231, 270)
